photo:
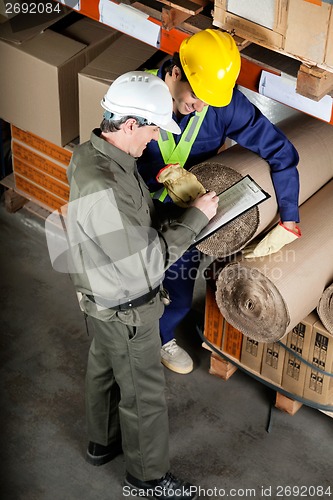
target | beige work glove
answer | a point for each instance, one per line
(277, 238)
(182, 186)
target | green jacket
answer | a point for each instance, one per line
(118, 246)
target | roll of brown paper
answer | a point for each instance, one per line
(313, 140)
(325, 308)
(267, 296)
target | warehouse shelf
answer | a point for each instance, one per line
(160, 17)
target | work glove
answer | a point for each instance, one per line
(277, 238)
(182, 186)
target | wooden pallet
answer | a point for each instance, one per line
(221, 367)
(172, 13)
(314, 82)
(225, 369)
(14, 201)
(288, 405)
(311, 81)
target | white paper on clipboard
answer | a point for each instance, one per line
(130, 21)
(233, 202)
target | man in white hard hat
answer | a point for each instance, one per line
(119, 254)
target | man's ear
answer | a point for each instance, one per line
(176, 73)
(130, 125)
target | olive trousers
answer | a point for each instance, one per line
(125, 395)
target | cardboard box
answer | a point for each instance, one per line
(40, 169)
(125, 54)
(40, 64)
(232, 341)
(62, 155)
(298, 340)
(277, 24)
(273, 361)
(214, 320)
(7, 10)
(51, 184)
(251, 354)
(35, 193)
(22, 153)
(319, 387)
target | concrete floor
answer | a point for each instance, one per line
(218, 435)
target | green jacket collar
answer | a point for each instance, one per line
(126, 161)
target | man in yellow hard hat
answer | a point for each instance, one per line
(208, 109)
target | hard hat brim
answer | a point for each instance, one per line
(171, 126)
(219, 101)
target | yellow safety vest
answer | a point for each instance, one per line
(172, 153)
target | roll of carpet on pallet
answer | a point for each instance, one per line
(325, 308)
(267, 297)
(313, 140)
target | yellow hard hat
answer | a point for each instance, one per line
(211, 62)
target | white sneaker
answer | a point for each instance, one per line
(175, 358)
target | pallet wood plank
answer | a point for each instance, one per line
(188, 6)
(221, 367)
(290, 406)
(314, 82)
(13, 201)
(37, 210)
(172, 17)
(8, 181)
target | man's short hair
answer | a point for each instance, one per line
(112, 125)
(175, 61)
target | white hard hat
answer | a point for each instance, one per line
(138, 93)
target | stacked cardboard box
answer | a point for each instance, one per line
(281, 367)
(318, 387)
(125, 54)
(273, 361)
(277, 24)
(217, 330)
(232, 341)
(40, 61)
(298, 340)
(252, 354)
(40, 169)
(214, 320)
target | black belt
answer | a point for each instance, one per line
(130, 304)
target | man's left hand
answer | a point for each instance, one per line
(182, 186)
(281, 235)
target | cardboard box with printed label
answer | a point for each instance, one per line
(273, 361)
(318, 387)
(125, 54)
(214, 320)
(232, 341)
(39, 77)
(299, 341)
(251, 355)
(40, 169)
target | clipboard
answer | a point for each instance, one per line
(234, 201)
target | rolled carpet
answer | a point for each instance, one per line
(325, 308)
(313, 140)
(266, 297)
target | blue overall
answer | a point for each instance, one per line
(244, 123)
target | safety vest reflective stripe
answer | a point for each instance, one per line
(172, 153)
